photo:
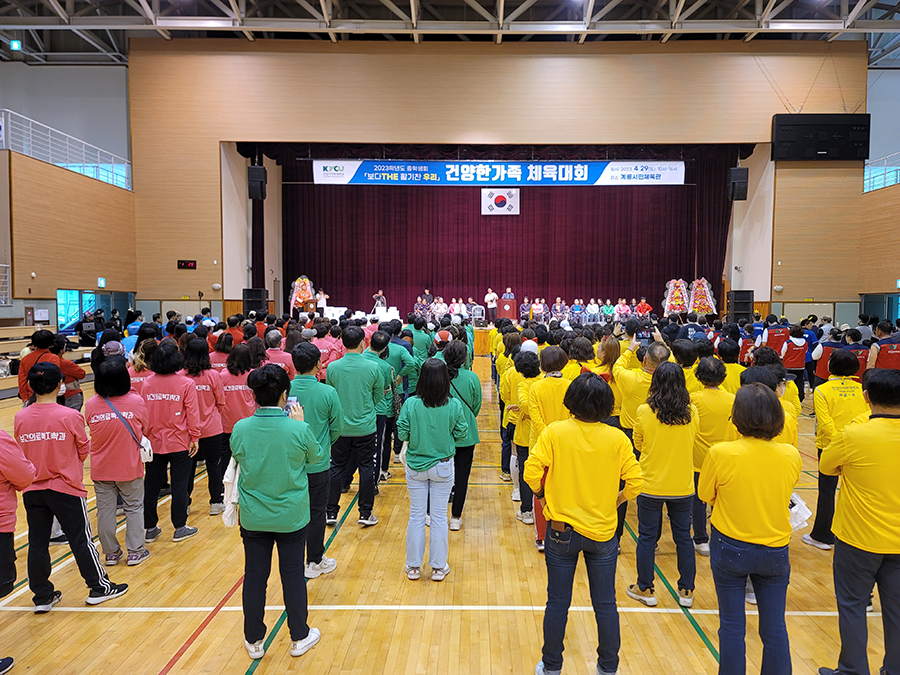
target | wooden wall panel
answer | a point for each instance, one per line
(880, 241)
(187, 96)
(69, 229)
(5, 245)
(818, 221)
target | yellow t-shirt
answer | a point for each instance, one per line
(732, 377)
(509, 385)
(867, 458)
(523, 428)
(634, 385)
(503, 364)
(667, 453)
(690, 379)
(714, 406)
(545, 404)
(584, 463)
(574, 368)
(837, 402)
(863, 416)
(496, 344)
(792, 396)
(748, 483)
(617, 393)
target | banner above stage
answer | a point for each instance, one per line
(408, 172)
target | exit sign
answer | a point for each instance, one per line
(187, 264)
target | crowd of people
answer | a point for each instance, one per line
(682, 413)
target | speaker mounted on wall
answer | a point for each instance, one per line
(256, 299)
(804, 138)
(738, 178)
(256, 182)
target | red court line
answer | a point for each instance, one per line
(810, 456)
(181, 652)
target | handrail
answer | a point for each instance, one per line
(34, 139)
(882, 172)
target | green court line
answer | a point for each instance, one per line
(283, 617)
(811, 473)
(685, 610)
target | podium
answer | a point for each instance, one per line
(508, 309)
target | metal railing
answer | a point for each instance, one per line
(882, 173)
(29, 137)
(5, 286)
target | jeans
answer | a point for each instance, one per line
(318, 500)
(211, 451)
(132, 493)
(40, 507)
(258, 564)
(698, 515)
(821, 529)
(561, 553)
(524, 491)
(649, 510)
(855, 574)
(769, 568)
(435, 483)
(462, 467)
(360, 449)
(156, 472)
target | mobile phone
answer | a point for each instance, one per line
(645, 337)
(290, 401)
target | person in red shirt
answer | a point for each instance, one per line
(211, 399)
(113, 415)
(235, 329)
(174, 431)
(643, 309)
(219, 356)
(42, 341)
(53, 439)
(276, 355)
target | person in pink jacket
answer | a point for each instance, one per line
(211, 399)
(277, 355)
(139, 368)
(174, 431)
(328, 347)
(54, 440)
(219, 355)
(117, 418)
(239, 401)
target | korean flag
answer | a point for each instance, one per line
(500, 201)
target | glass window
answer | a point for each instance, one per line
(68, 309)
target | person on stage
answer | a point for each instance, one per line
(490, 301)
(576, 311)
(440, 308)
(593, 311)
(427, 297)
(322, 299)
(380, 300)
(545, 309)
(559, 311)
(508, 295)
(420, 308)
(537, 310)
(643, 309)
(622, 311)
(470, 303)
(524, 310)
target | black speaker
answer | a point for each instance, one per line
(739, 305)
(256, 299)
(820, 137)
(737, 183)
(256, 182)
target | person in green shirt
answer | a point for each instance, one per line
(432, 423)
(421, 342)
(323, 413)
(359, 384)
(466, 388)
(272, 450)
(384, 410)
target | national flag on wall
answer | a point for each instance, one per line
(500, 201)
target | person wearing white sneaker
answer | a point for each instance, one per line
(584, 460)
(466, 388)
(528, 367)
(432, 423)
(272, 449)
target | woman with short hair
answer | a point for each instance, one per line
(748, 483)
(432, 423)
(271, 449)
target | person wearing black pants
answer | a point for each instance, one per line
(347, 449)
(462, 463)
(821, 529)
(180, 465)
(211, 451)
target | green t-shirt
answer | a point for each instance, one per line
(467, 388)
(433, 433)
(272, 451)
(386, 405)
(323, 413)
(360, 386)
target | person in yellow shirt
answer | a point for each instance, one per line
(608, 352)
(749, 482)
(511, 342)
(764, 356)
(590, 469)
(767, 376)
(509, 384)
(714, 405)
(729, 352)
(867, 523)
(581, 358)
(545, 405)
(527, 369)
(664, 436)
(685, 354)
(837, 402)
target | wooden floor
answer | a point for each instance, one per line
(182, 613)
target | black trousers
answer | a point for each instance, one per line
(318, 501)
(492, 314)
(798, 374)
(40, 507)
(211, 451)
(360, 449)
(821, 529)
(7, 563)
(384, 437)
(462, 463)
(258, 565)
(623, 507)
(156, 470)
(811, 374)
